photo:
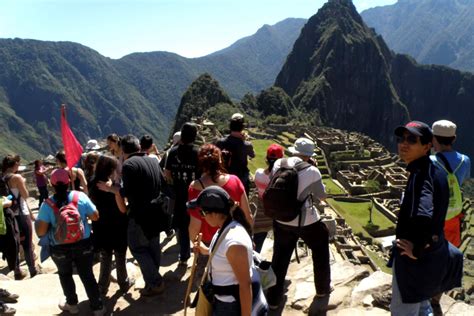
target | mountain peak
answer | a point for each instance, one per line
(339, 69)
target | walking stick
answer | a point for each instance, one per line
(191, 277)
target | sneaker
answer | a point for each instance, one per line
(100, 312)
(8, 297)
(6, 310)
(72, 309)
(170, 233)
(273, 307)
(151, 291)
(20, 275)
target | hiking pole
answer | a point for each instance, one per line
(191, 277)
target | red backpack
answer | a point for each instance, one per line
(69, 225)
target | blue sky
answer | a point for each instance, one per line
(116, 28)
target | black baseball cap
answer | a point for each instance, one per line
(213, 198)
(416, 128)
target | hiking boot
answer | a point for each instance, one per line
(37, 271)
(8, 297)
(100, 312)
(151, 291)
(20, 275)
(72, 309)
(6, 310)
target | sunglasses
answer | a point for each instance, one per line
(410, 139)
(202, 212)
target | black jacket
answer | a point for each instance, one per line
(421, 220)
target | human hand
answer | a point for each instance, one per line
(199, 247)
(7, 202)
(105, 186)
(406, 247)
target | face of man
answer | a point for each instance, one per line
(410, 147)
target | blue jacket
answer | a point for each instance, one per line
(423, 209)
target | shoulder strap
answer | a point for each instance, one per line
(52, 204)
(214, 250)
(202, 184)
(302, 165)
(445, 162)
(75, 198)
(460, 164)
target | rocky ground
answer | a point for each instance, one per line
(357, 291)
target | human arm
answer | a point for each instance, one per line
(238, 258)
(43, 220)
(89, 207)
(244, 205)
(82, 180)
(194, 227)
(120, 202)
(250, 150)
(6, 202)
(317, 188)
(421, 206)
(41, 228)
(20, 183)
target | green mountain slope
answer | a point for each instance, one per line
(138, 93)
(341, 70)
(432, 31)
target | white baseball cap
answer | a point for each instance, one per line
(444, 128)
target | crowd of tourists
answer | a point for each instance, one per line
(125, 198)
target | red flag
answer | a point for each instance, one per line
(72, 147)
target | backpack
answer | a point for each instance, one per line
(455, 196)
(280, 199)
(69, 225)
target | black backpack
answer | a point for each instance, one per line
(5, 191)
(280, 199)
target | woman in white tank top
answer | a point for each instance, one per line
(17, 185)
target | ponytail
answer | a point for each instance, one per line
(238, 215)
(61, 194)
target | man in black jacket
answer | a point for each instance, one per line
(141, 183)
(424, 263)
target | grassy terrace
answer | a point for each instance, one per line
(357, 216)
(260, 146)
(331, 187)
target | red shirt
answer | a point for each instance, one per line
(233, 186)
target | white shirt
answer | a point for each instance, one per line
(23, 206)
(309, 181)
(261, 181)
(221, 270)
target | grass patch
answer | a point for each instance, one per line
(379, 262)
(331, 187)
(260, 147)
(357, 216)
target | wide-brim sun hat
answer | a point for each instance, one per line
(303, 146)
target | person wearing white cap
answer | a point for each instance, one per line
(457, 164)
(307, 226)
(450, 160)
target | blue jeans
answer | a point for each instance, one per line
(147, 252)
(228, 309)
(81, 255)
(398, 308)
